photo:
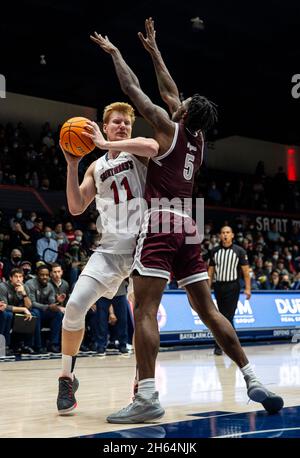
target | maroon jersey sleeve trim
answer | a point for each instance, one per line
(157, 159)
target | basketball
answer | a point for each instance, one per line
(71, 137)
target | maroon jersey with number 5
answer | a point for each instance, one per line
(172, 174)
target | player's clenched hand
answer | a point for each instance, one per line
(70, 158)
(94, 133)
(103, 42)
(149, 41)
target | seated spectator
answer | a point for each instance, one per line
(58, 233)
(45, 306)
(29, 223)
(254, 283)
(14, 261)
(47, 247)
(69, 231)
(285, 282)
(281, 267)
(15, 295)
(6, 317)
(18, 218)
(296, 282)
(275, 280)
(20, 239)
(78, 257)
(26, 266)
(37, 231)
(60, 285)
(120, 305)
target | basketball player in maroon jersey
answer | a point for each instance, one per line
(171, 175)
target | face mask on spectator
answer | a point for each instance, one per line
(251, 274)
(78, 238)
(16, 259)
(275, 256)
(33, 218)
(60, 241)
(48, 234)
(240, 239)
(55, 161)
(289, 257)
(19, 215)
(26, 271)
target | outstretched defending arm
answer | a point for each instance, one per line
(167, 86)
(154, 114)
(96, 39)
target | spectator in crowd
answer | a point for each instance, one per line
(20, 239)
(61, 286)
(275, 280)
(15, 295)
(69, 231)
(26, 266)
(58, 231)
(47, 247)
(37, 231)
(6, 317)
(14, 261)
(46, 307)
(18, 218)
(120, 305)
(296, 283)
(78, 257)
(29, 223)
(285, 282)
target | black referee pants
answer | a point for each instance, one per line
(227, 295)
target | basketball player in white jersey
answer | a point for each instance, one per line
(116, 181)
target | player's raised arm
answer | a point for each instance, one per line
(167, 86)
(154, 114)
(108, 47)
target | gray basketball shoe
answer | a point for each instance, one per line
(66, 401)
(139, 411)
(259, 393)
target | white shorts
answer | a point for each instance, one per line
(109, 270)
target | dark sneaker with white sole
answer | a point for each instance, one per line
(259, 393)
(66, 401)
(141, 410)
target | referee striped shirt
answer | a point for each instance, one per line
(226, 261)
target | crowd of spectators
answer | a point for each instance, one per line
(37, 246)
(40, 261)
(43, 167)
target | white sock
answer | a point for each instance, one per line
(146, 387)
(68, 363)
(249, 371)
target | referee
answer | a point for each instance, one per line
(224, 265)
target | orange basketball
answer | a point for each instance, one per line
(72, 139)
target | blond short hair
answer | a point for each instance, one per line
(122, 107)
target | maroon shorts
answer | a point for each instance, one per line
(169, 249)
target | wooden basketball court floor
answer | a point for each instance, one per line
(203, 395)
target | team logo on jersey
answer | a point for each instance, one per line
(128, 165)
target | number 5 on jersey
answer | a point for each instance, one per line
(188, 166)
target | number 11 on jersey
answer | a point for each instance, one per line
(125, 184)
